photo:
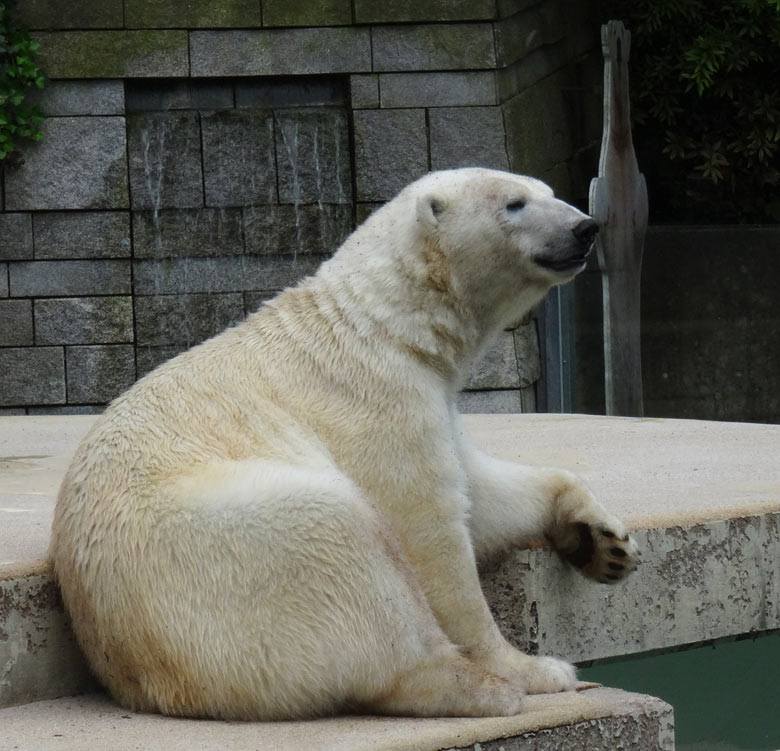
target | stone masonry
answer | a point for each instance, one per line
(197, 159)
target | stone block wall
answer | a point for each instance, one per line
(198, 158)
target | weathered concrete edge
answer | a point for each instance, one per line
(594, 720)
(39, 657)
(638, 722)
(695, 584)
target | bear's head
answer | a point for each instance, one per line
(498, 238)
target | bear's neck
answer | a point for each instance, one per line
(386, 297)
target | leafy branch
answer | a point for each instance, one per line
(706, 105)
(18, 72)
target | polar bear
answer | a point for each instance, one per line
(286, 521)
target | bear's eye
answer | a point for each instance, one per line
(515, 205)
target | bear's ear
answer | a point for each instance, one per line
(429, 209)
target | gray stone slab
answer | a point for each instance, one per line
(156, 96)
(498, 367)
(193, 14)
(3, 280)
(31, 375)
(467, 137)
(68, 278)
(94, 97)
(433, 47)
(364, 91)
(314, 229)
(254, 300)
(84, 320)
(187, 232)
(534, 68)
(148, 358)
(307, 12)
(312, 156)
(82, 234)
(391, 150)
(86, 14)
(364, 210)
(529, 366)
(80, 164)
(406, 11)
(113, 54)
(97, 374)
(238, 157)
(510, 7)
(529, 29)
(16, 323)
(16, 238)
(165, 160)
(449, 89)
(279, 52)
(503, 401)
(228, 274)
(299, 91)
(534, 148)
(185, 320)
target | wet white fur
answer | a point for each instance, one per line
(286, 520)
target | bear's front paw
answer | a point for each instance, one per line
(600, 552)
(592, 539)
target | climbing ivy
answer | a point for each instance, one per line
(705, 90)
(18, 72)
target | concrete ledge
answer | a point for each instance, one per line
(703, 497)
(695, 583)
(39, 657)
(597, 719)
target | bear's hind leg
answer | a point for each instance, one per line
(284, 594)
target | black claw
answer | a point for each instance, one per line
(616, 566)
(618, 552)
(607, 533)
(613, 577)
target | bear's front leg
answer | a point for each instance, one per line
(513, 505)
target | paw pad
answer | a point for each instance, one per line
(600, 553)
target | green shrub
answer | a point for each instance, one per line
(18, 72)
(705, 91)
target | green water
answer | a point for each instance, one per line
(726, 697)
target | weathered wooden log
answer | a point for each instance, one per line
(618, 202)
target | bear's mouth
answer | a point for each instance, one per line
(563, 265)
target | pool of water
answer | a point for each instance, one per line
(726, 696)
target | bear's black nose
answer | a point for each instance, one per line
(585, 232)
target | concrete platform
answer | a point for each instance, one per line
(703, 499)
(598, 719)
(651, 472)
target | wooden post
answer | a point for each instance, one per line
(618, 202)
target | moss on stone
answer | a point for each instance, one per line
(192, 14)
(307, 12)
(113, 54)
(398, 11)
